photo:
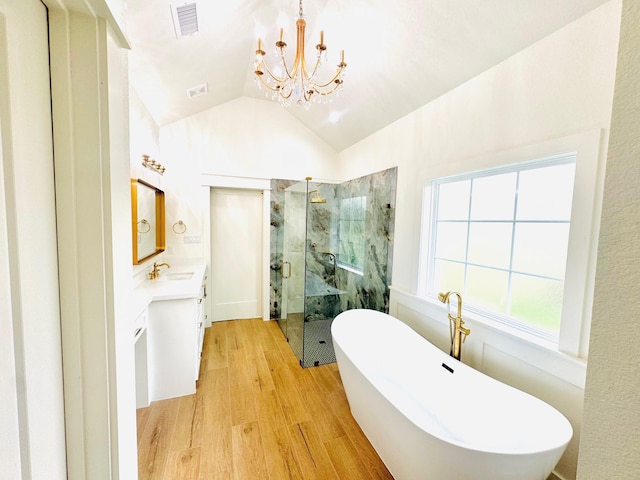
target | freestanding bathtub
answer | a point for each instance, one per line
(432, 417)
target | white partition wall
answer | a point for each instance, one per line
(31, 402)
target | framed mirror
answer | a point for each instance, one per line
(147, 220)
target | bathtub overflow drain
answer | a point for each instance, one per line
(447, 367)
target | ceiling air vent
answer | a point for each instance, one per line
(185, 19)
(197, 91)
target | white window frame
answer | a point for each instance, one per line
(583, 235)
(565, 159)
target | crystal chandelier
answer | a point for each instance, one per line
(298, 85)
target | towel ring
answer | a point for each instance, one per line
(181, 227)
(144, 223)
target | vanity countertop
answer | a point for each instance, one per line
(184, 281)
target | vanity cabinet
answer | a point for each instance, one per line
(175, 336)
(172, 340)
(200, 326)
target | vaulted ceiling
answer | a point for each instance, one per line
(401, 54)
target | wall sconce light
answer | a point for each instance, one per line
(151, 164)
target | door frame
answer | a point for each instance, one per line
(243, 183)
(32, 406)
(91, 164)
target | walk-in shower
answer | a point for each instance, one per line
(330, 251)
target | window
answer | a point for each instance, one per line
(500, 237)
(351, 232)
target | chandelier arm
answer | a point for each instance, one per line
(274, 89)
(313, 73)
(327, 92)
(282, 95)
(290, 74)
(333, 80)
(308, 95)
(272, 75)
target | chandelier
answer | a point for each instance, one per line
(297, 85)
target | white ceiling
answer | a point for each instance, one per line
(401, 54)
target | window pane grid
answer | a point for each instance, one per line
(489, 267)
(523, 246)
(504, 221)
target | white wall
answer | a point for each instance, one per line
(609, 446)
(559, 87)
(248, 138)
(144, 139)
(242, 139)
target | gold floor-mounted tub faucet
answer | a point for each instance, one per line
(458, 332)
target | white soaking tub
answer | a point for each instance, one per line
(431, 417)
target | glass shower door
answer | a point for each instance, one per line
(293, 265)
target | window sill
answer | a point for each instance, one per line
(536, 351)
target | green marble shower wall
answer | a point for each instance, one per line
(356, 225)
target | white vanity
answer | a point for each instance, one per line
(174, 333)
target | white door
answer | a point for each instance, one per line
(32, 441)
(236, 253)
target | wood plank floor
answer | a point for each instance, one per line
(256, 415)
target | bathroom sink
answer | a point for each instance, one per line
(171, 276)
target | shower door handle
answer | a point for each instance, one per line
(282, 270)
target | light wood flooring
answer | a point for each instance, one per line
(256, 415)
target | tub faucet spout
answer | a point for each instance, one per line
(458, 332)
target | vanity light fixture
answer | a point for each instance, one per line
(298, 84)
(151, 164)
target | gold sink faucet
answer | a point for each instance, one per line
(155, 273)
(458, 332)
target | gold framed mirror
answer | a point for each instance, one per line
(147, 220)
